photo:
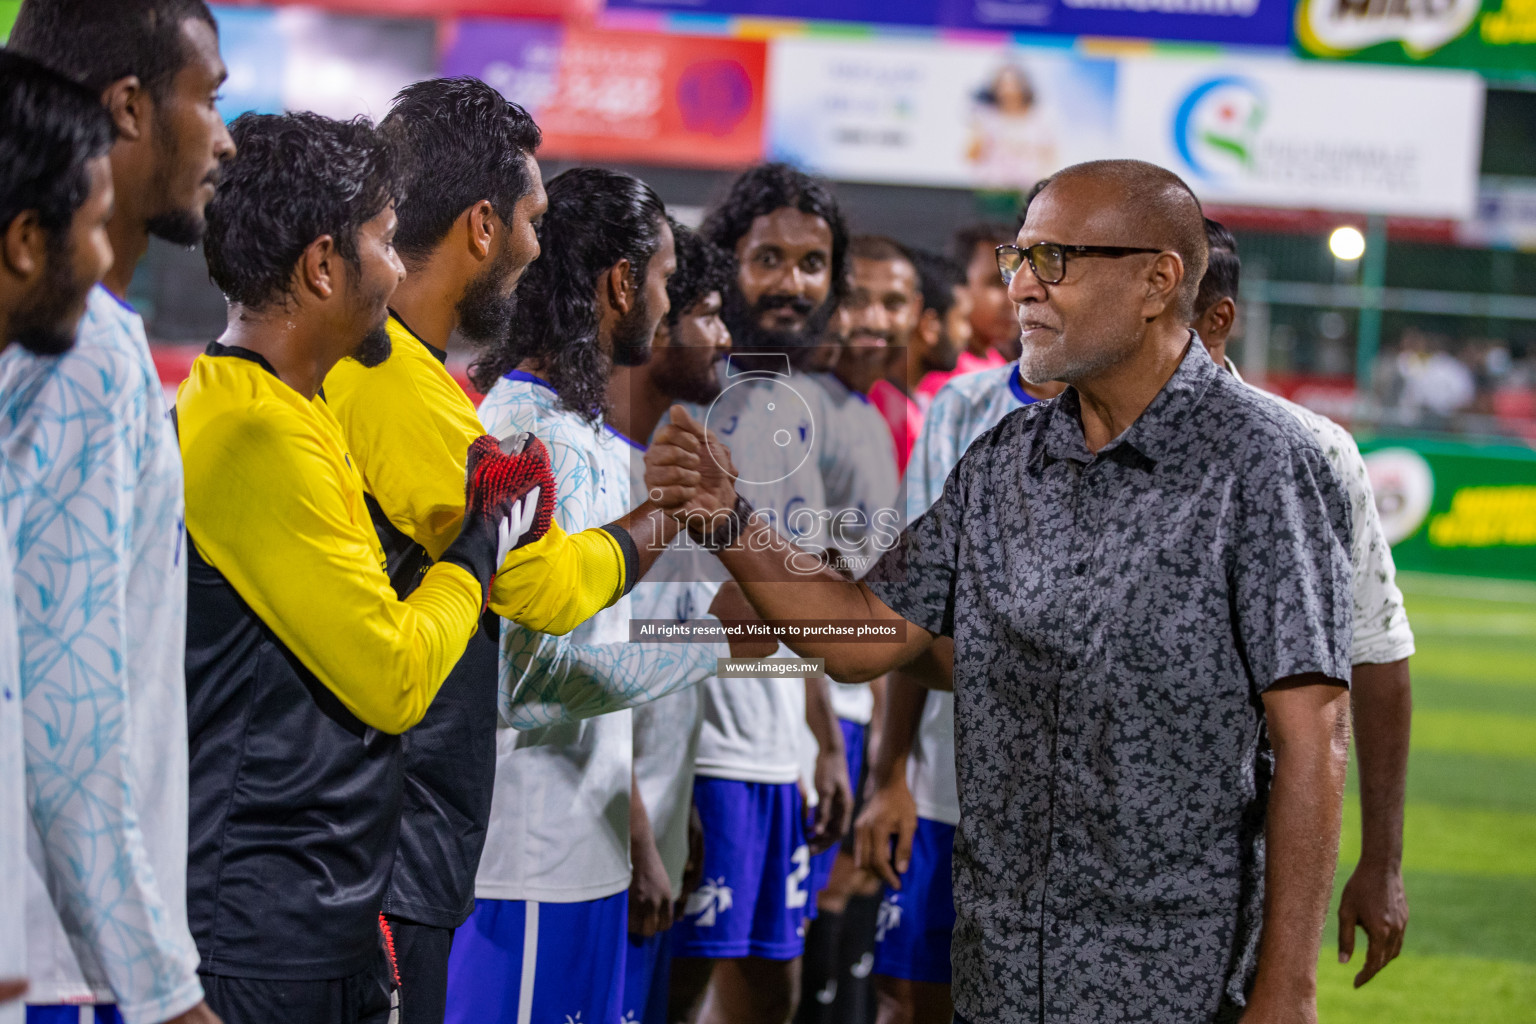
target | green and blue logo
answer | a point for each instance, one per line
(1216, 127)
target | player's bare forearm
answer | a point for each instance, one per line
(874, 735)
(1382, 705)
(1305, 715)
(650, 889)
(652, 530)
(834, 790)
(903, 712)
(1374, 899)
(820, 718)
(883, 833)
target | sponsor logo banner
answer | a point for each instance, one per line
(1456, 508)
(1486, 35)
(1249, 131)
(696, 101)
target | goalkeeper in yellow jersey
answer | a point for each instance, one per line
(466, 234)
(303, 664)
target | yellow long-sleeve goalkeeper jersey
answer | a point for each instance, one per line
(409, 426)
(275, 505)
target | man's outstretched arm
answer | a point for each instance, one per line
(690, 475)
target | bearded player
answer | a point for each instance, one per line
(547, 937)
(466, 235)
(744, 946)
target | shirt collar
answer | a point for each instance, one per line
(437, 353)
(109, 293)
(1153, 436)
(216, 348)
(529, 378)
(1016, 385)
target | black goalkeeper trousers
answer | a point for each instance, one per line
(421, 957)
(362, 998)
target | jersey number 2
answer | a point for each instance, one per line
(795, 896)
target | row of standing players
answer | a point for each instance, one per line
(508, 850)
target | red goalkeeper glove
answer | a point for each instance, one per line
(509, 501)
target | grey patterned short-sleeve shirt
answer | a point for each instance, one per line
(1116, 619)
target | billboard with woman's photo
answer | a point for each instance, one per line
(961, 114)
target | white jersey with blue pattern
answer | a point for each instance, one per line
(559, 828)
(13, 802)
(679, 588)
(91, 491)
(964, 409)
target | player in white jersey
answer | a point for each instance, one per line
(13, 806)
(1380, 689)
(92, 493)
(546, 940)
(682, 588)
(741, 935)
(55, 197)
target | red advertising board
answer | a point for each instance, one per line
(603, 95)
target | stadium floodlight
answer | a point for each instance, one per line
(1347, 243)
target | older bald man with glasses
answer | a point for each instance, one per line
(1147, 585)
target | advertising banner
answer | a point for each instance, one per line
(1245, 22)
(1494, 36)
(694, 101)
(1455, 507)
(967, 115)
(1276, 132)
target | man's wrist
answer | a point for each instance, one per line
(1380, 861)
(889, 774)
(832, 749)
(719, 530)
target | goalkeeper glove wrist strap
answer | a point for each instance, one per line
(475, 553)
(631, 555)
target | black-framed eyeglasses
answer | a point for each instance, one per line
(1048, 260)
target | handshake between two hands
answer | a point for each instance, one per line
(689, 473)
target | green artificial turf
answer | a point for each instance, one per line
(1469, 858)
